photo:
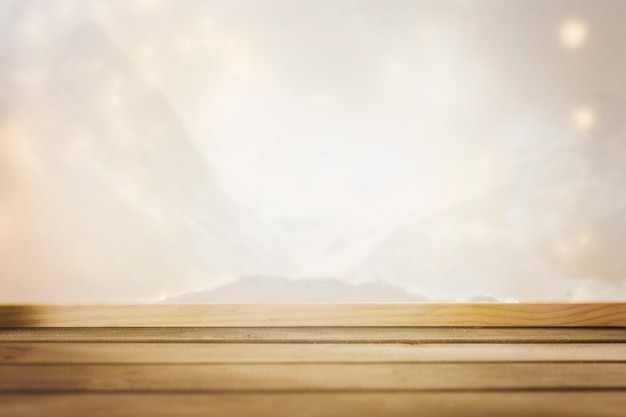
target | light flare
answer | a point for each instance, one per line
(573, 33)
(584, 118)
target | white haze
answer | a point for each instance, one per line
(150, 148)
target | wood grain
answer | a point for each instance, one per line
(153, 353)
(368, 314)
(314, 335)
(415, 404)
(314, 360)
(311, 377)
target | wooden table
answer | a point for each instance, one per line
(314, 360)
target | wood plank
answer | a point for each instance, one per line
(484, 404)
(312, 314)
(312, 377)
(106, 353)
(314, 335)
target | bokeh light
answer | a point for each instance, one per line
(573, 33)
(584, 118)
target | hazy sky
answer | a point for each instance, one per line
(306, 138)
(332, 105)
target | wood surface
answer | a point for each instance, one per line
(242, 353)
(392, 404)
(312, 314)
(311, 377)
(373, 360)
(407, 335)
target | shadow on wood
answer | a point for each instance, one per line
(18, 316)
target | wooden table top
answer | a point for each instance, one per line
(314, 360)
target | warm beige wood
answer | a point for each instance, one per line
(312, 377)
(315, 334)
(484, 404)
(117, 353)
(368, 314)
(371, 368)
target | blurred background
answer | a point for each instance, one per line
(444, 149)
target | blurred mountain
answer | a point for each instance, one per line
(393, 148)
(259, 289)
